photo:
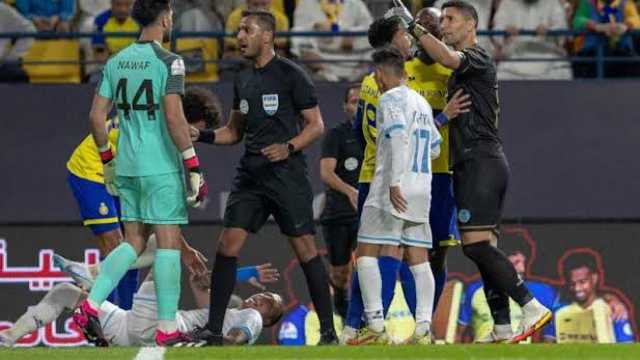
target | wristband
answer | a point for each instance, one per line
(246, 273)
(191, 161)
(417, 30)
(207, 136)
(106, 154)
(441, 120)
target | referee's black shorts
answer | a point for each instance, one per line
(341, 239)
(281, 189)
(479, 186)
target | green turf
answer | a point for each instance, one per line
(467, 352)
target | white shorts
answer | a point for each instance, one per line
(379, 227)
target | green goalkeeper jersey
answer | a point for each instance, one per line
(137, 79)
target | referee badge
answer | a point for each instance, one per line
(270, 103)
(351, 164)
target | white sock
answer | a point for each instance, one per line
(145, 259)
(371, 288)
(504, 330)
(62, 296)
(533, 306)
(425, 292)
(167, 326)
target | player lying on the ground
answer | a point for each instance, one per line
(100, 211)
(137, 327)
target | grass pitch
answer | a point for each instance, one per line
(467, 352)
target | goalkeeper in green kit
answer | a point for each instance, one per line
(145, 82)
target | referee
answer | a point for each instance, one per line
(339, 170)
(480, 169)
(275, 111)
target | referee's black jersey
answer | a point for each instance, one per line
(475, 134)
(340, 143)
(271, 99)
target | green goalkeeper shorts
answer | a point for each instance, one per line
(155, 199)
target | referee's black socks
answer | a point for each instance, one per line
(223, 281)
(498, 303)
(318, 283)
(498, 270)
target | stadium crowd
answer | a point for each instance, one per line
(334, 58)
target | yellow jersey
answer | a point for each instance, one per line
(85, 161)
(575, 324)
(430, 81)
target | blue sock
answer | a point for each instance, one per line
(389, 272)
(440, 277)
(408, 287)
(356, 307)
(126, 288)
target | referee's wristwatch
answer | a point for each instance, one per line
(291, 148)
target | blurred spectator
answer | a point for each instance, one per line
(333, 16)
(199, 15)
(87, 12)
(589, 314)
(12, 21)
(48, 15)
(485, 9)
(116, 19)
(541, 16)
(233, 22)
(611, 19)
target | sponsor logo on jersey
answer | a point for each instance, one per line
(270, 103)
(244, 106)
(177, 67)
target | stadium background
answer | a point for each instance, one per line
(572, 148)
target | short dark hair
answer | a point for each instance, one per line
(465, 7)
(348, 90)
(146, 12)
(202, 104)
(382, 30)
(579, 260)
(391, 58)
(265, 18)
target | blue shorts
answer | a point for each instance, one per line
(442, 218)
(99, 210)
(363, 191)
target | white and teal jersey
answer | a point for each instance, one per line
(137, 79)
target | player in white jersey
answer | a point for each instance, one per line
(396, 211)
(137, 327)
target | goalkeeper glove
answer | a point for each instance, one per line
(415, 29)
(199, 190)
(108, 169)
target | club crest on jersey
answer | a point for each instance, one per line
(244, 106)
(270, 103)
(103, 209)
(464, 216)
